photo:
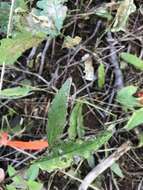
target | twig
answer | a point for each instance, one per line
(43, 56)
(100, 168)
(9, 27)
(2, 75)
(114, 61)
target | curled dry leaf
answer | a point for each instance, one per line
(2, 175)
(89, 69)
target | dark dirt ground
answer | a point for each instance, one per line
(61, 63)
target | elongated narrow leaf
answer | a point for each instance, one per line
(76, 122)
(101, 76)
(135, 120)
(15, 92)
(117, 170)
(133, 60)
(57, 113)
(64, 154)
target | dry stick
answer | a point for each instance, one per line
(114, 61)
(2, 75)
(100, 168)
(43, 56)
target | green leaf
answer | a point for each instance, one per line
(135, 120)
(57, 113)
(101, 76)
(125, 9)
(64, 154)
(16, 179)
(4, 15)
(11, 49)
(76, 122)
(117, 170)
(103, 12)
(133, 60)
(15, 92)
(10, 187)
(32, 173)
(33, 185)
(125, 97)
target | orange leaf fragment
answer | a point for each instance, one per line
(31, 145)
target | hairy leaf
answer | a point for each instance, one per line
(64, 154)
(133, 60)
(11, 49)
(57, 113)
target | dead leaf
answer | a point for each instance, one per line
(125, 9)
(89, 69)
(70, 42)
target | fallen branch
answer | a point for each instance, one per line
(100, 168)
(114, 61)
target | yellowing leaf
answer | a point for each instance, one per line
(125, 9)
(70, 42)
(11, 49)
(133, 60)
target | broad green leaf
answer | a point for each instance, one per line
(57, 113)
(133, 60)
(32, 173)
(11, 49)
(101, 76)
(76, 122)
(34, 185)
(135, 120)
(64, 154)
(126, 99)
(117, 170)
(125, 9)
(15, 92)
